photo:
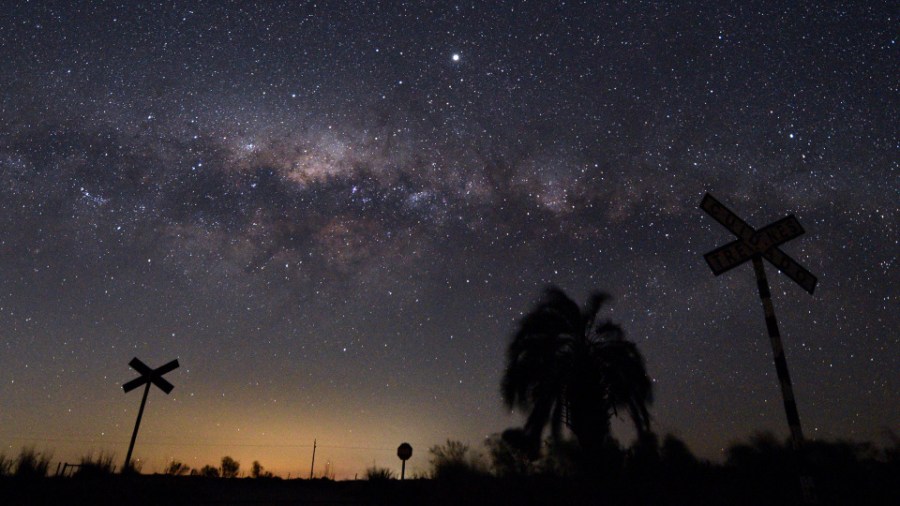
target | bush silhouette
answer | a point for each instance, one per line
(563, 457)
(32, 464)
(674, 453)
(133, 467)
(508, 458)
(90, 467)
(177, 468)
(762, 454)
(207, 471)
(379, 474)
(455, 460)
(6, 465)
(230, 467)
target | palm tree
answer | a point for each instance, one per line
(566, 367)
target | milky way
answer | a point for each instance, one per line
(334, 215)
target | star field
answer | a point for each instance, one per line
(333, 214)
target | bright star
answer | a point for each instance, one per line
(455, 57)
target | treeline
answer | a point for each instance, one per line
(761, 470)
(228, 468)
(761, 454)
(654, 470)
(31, 464)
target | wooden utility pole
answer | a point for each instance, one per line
(313, 465)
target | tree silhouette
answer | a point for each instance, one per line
(230, 467)
(258, 471)
(566, 367)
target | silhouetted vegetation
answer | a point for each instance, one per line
(508, 459)
(455, 460)
(133, 467)
(557, 457)
(230, 467)
(652, 471)
(177, 468)
(257, 471)
(32, 464)
(94, 467)
(208, 471)
(572, 373)
(892, 452)
(6, 465)
(379, 474)
(567, 368)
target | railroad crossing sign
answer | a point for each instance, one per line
(148, 376)
(755, 245)
(752, 243)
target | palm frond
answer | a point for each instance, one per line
(555, 300)
(592, 308)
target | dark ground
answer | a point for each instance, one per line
(716, 487)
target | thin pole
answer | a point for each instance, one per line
(136, 425)
(403, 470)
(784, 377)
(313, 465)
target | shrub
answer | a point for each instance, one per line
(177, 468)
(643, 457)
(562, 457)
(91, 467)
(676, 454)
(455, 460)
(133, 467)
(230, 467)
(209, 471)
(764, 453)
(6, 465)
(892, 449)
(31, 464)
(507, 459)
(379, 474)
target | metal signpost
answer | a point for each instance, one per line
(147, 377)
(754, 245)
(404, 451)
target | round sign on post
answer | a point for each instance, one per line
(404, 451)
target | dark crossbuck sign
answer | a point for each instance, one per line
(148, 376)
(754, 245)
(752, 242)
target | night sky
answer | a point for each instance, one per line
(334, 215)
